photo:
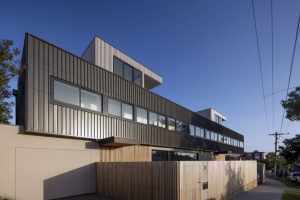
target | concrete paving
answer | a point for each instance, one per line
(271, 189)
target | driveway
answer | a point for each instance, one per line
(270, 190)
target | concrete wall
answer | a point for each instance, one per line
(38, 167)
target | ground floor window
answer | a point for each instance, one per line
(159, 155)
(163, 155)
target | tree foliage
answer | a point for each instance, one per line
(292, 105)
(9, 68)
(291, 149)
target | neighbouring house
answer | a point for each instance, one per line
(255, 155)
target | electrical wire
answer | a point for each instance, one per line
(272, 42)
(260, 65)
(291, 69)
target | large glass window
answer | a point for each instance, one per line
(207, 134)
(179, 126)
(198, 132)
(141, 115)
(202, 133)
(127, 111)
(153, 118)
(90, 100)
(137, 77)
(128, 72)
(185, 127)
(191, 129)
(212, 135)
(118, 67)
(216, 136)
(221, 138)
(114, 107)
(171, 124)
(178, 156)
(162, 121)
(66, 93)
(159, 155)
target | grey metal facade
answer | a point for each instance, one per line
(40, 115)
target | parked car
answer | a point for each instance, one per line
(294, 176)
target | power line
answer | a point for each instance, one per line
(283, 90)
(291, 69)
(272, 38)
(260, 66)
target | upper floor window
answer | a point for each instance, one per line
(191, 129)
(90, 100)
(126, 71)
(171, 124)
(198, 133)
(161, 121)
(118, 67)
(114, 107)
(207, 134)
(127, 111)
(153, 118)
(66, 93)
(137, 77)
(141, 115)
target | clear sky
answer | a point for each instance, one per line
(204, 50)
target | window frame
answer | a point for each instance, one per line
(136, 115)
(167, 124)
(133, 69)
(101, 100)
(77, 107)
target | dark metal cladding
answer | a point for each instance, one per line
(38, 114)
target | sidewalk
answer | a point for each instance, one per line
(270, 190)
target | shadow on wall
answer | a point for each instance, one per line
(75, 182)
(235, 181)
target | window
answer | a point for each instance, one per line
(171, 124)
(179, 126)
(137, 77)
(128, 72)
(66, 93)
(185, 127)
(141, 115)
(202, 133)
(127, 111)
(198, 132)
(207, 134)
(178, 156)
(153, 118)
(212, 135)
(114, 107)
(216, 136)
(90, 100)
(161, 121)
(191, 129)
(159, 155)
(221, 138)
(118, 67)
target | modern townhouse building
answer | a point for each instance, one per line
(105, 95)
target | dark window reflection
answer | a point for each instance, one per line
(159, 155)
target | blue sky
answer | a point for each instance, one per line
(204, 50)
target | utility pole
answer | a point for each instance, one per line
(276, 135)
